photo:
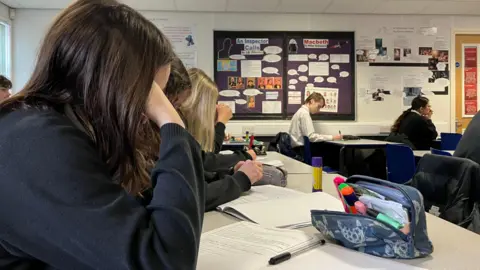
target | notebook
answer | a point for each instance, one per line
(245, 245)
(279, 207)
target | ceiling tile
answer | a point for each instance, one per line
(252, 5)
(402, 7)
(201, 5)
(303, 6)
(353, 6)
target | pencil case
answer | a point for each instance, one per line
(273, 176)
(372, 236)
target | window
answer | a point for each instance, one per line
(5, 49)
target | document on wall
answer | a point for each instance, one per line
(318, 69)
(269, 107)
(246, 245)
(251, 68)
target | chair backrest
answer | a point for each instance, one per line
(449, 141)
(307, 151)
(400, 163)
(440, 152)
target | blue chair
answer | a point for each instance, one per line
(307, 155)
(440, 152)
(449, 141)
(400, 163)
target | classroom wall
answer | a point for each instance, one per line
(30, 26)
(4, 10)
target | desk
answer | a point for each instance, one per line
(454, 247)
(291, 165)
(229, 145)
(421, 153)
(347, 149)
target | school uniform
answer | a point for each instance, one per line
(469, 145)
(421, 131)
(61, 209)
(302, 125)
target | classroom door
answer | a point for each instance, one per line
(467, 54)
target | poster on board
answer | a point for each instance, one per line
(249, 74)
(324, 66)
(470, 80)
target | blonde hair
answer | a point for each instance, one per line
(200, 109)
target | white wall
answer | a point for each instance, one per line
(30, 26)
(4, 13)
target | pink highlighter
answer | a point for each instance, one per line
(337, 181)
(361, 208)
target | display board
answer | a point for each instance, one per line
(269, 74)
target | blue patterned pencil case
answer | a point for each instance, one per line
(369, 235)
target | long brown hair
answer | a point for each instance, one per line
(100, 58)
(179, 85)
(417, 103)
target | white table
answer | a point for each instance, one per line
(454, 247)
(362, 143)
(291, 165)
(421, 153)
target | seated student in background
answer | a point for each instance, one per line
(199, 111)
(76, 146)
(302, 124)
(469, 145)
(416, 124)
(5, 86)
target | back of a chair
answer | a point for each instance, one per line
(440, 152)
(450, 188)
(307, 151)
(400, 163)
(449, 141)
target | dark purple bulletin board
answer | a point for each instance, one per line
(291, 50)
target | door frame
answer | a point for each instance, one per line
(453, 68)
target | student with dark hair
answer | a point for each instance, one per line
(302, 124)
(77, 145)
(416, 124)
(5, 86)
(469, 145)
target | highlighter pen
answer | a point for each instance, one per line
(384, 218)
(337, 182)
(361, 208)
(350, 197)
(252, 139)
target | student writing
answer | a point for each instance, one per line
(416, 124)
(302, 124)
(76, 146)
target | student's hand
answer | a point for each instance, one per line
(252, 154)
(429, 115)
(227, 137)
(159, 108)
(253, 170)
(338, 137)
(239, 164)
(224, 113)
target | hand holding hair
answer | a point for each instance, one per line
(224, 113)
(159, 108)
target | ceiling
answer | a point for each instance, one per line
(435, 7)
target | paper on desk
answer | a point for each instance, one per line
(289, 212)
(331, 256)
(263, 193)
(275, 163)
(246, 245)
(226, 152)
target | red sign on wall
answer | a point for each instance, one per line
(470, 75)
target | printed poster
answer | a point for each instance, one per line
(470, 80)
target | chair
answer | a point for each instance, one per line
(439, 152)
(400, 163)
(449, 141)
(307, 155)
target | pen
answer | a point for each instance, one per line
(339, 133)
(287, 255)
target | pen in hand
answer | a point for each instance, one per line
(287, 255)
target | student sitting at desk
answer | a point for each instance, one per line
(199, 110)
(302, 124)
(416, 124)
(469, 145)
(77, 144)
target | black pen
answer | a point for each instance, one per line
(287, 255)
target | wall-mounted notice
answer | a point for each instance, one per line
(328, 69)
(249, 72)
(470, 81)
(267, 74)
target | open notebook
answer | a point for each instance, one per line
(245, 245)
(279, 207)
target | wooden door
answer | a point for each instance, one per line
(467, 55)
